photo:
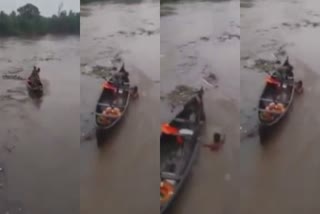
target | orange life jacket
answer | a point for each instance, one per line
(169, 130)
(272, 81)
(109, 86)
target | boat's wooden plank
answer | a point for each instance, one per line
(273, 112)
(104, 104)
(267, 100)
(180, 120)
(276, 101)
(170, 176)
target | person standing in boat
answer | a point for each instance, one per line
(124, 75)
(121, 77)
(282, 71)
(33, 73)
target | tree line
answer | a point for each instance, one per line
(116, 1)
(27, 20)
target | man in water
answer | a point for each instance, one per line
(299, 87)
(218, 141)
(134, 92)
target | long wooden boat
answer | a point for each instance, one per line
(276, 95)
(179, 143)
(115, 95)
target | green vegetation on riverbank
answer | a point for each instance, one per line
(28, 21)
(87, 1)
(176, 1)
(116, 1)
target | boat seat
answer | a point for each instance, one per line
(267, 100)
(104, 104)
(120, 107)
(188, 132)
(273, 112)
(180, 120)
(170, 176)
(270, 100)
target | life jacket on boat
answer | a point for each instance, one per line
(170, 130)
(166, 191)
(273, 81)
(109, 86)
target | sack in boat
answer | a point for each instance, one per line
(111, 112)
(166, 191)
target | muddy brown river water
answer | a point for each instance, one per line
(121, 176)
(281, 177)
(39, 139)
(200, 48)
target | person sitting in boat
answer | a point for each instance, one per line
(122, 75)
(116, 81)
(282, 70)
(34, 78)
(125, 77)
